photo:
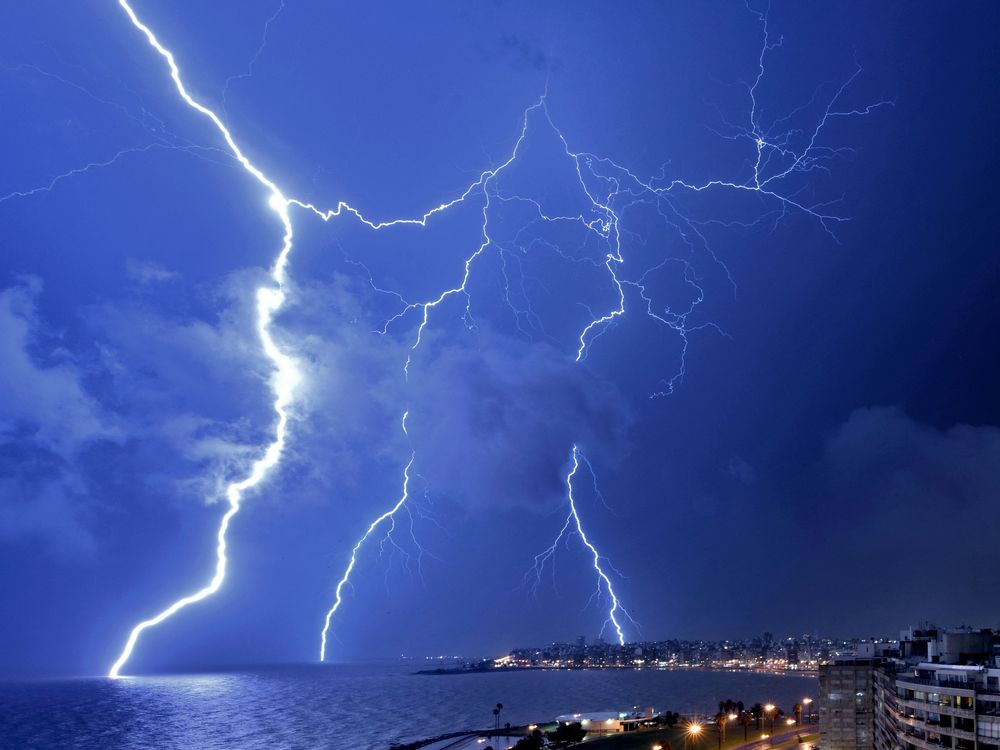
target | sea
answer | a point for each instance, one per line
(347, 707)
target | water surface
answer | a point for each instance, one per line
(352, 707)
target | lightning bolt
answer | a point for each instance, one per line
(573, 525)
(778, 153)
(611, 188)
(248, 73)
(96, 165)
(286, 374)
(390, 516)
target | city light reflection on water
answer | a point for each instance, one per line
(362, 707)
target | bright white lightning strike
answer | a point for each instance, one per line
(604, 222)
(286, 376)
(573, 525)
(610, 189)
(389, 515)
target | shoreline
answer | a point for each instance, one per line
(573, 668)
(784, 739)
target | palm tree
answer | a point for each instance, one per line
(758, 713)
(745, 720)
(720, 723)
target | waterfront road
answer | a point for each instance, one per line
(804, 737)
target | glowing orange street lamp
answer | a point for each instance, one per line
(693, 731)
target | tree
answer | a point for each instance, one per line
(745, 720)
(670, 718)
(797, 710)
(568, 733)
(720, 723)
(757, 710)
(777, 713)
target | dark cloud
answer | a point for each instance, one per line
(519, 52)
(47, 420)
(497, 422)
(492, 417)
(906, 520)
(899, 478)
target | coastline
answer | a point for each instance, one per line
(487, 668)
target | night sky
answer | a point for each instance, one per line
(830, 460)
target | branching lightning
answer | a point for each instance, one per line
(390, 517)
(777, 153)
(610, 189)
(573, 525)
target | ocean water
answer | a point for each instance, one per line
(347, 707)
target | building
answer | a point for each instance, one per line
(934, 689)
(942, 691)
(846, 710)
(610, 722)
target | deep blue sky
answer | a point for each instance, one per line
(833, 465)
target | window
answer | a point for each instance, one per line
(989, 729)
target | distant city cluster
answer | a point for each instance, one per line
(763, 653)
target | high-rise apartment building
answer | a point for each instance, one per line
(845, 704)
(936, 689)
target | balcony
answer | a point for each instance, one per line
(921, 682)
(915, 705)
(962, 734)
(924, 744)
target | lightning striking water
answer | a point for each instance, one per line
(390, 516)
(609, 190)
(286, 375)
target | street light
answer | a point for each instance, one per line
(693, 732)
(807, 702)
(769, 711)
